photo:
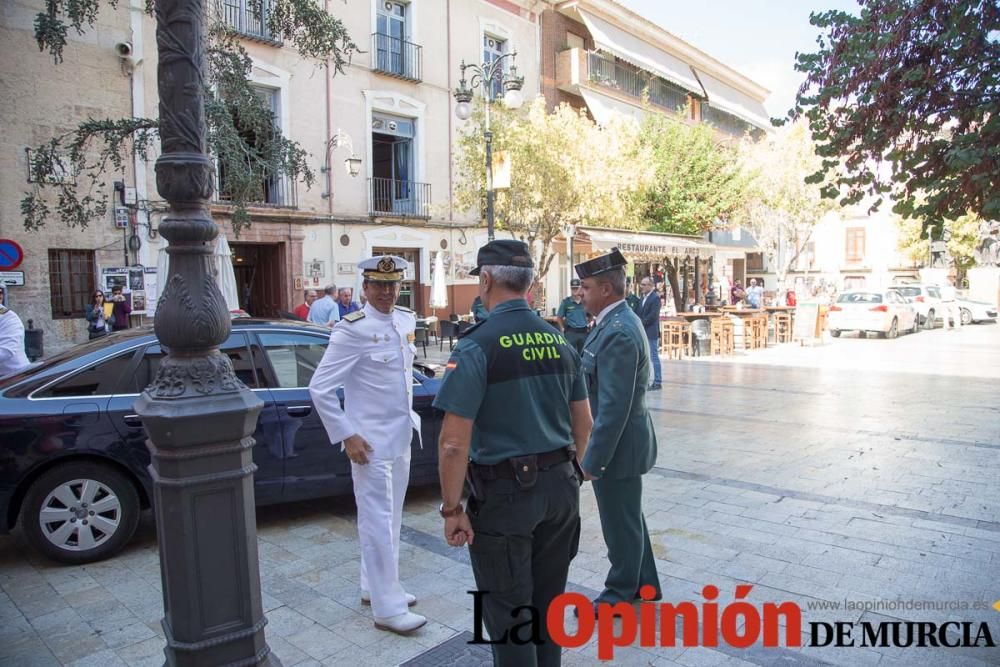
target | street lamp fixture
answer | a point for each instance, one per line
(352, 164)
(485, 76)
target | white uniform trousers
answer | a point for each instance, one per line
(379, 490)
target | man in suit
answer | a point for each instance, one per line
(649, 314)
(622, 445)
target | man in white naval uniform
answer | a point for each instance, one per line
(371, 355)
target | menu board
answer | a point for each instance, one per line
(806, 317)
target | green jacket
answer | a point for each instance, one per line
(615, 363)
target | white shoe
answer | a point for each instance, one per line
(401, 624)
(366, 598)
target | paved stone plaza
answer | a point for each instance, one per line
(862, 470)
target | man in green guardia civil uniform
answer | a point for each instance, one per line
(516, 418)
(622, 445)
(573, 317)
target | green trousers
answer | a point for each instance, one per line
(524, 541)
(576, 339)
(619, 502)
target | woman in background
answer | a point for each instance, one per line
(98, 315)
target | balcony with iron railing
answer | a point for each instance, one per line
(576, 67)
(274, 192)
(397, 57)
(389, 197)
(249, 18)
(727, 123)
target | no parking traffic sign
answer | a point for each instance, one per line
(11, 255)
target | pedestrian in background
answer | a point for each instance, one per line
(97, 319)
(952, 313)
(302, 310)
(120, 310)
(649, 315)
(344, 304)
(523, 520)
(573, 317)
(622, 445)
(736, 293)
(324, 310)
(755, 294)
(371, 355)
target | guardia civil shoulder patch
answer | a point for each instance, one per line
(354, 317)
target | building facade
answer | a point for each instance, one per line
(848, 249)
(599, 56)
(392, 107)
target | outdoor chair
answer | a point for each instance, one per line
(448, 330)
(420, 337)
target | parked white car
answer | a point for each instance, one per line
(886, 313)
(926, 300)
(976, 311)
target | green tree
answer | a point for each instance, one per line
(962, 234)
(69, 171)
(781, 209)
(697, 182)
(904, 100)
(565, 170)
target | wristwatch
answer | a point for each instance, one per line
(454, 511)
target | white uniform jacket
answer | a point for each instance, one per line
(372, 358)
(12, 356)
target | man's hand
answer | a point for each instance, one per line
(458, 530)
(357, 449)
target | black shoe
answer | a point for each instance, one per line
(657, 598)
(656, 386)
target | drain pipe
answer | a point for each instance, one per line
(329, 129)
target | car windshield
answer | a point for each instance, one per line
(860, 297)
(908, 291)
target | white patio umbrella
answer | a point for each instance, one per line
(439, 288)
(221, 262)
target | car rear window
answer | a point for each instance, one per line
(860, 297)
(908, 291)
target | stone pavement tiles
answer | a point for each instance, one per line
(813, 486)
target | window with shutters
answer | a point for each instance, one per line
(72, 282)
(855, 250)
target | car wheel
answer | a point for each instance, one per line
(835, 333)
(893, 331)
(929, 322)
(966, 317)
(80, 512)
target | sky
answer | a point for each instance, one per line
(758, 38)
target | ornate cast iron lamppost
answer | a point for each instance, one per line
(198, 415)
(484, 76)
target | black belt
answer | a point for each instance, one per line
(505, 469)
(577, 329)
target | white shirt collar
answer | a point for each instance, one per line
(372, 311)
(608, 309)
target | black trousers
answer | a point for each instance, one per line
(524, 541)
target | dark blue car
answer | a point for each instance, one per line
(73, 458)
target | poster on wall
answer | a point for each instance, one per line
(138, 284)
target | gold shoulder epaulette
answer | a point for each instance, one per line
(4, 310)
(405, 310)
(354, 317)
